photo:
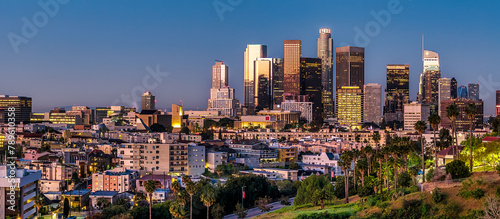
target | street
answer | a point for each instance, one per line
(256, 211)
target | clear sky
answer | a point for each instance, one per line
(93, 52)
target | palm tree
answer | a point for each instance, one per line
(150, 187)
(380, 158)
(355, 156)
(385, 152)
(452, 114)
(208, 198)
(376, 138)
(368, 151)
(176, 187)
(420, 127)
(345, 163)
(394, 152)
(362, 165)
(471, 112)
(190, 189)
(434, 120)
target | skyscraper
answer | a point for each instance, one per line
(429, 79)
(21, 105)
(372, 103)
(462, 93)
(397, 91)
(278, 82)
(148, 101)
(219, 75)
(453, 88)
(325, 53)
(498, 103)
(473, 91)
(292, 54)
(310, 84)
(221, 95)
(444, 91)
(350, 67)
(349, 107)
(252, 53)
(263, 83)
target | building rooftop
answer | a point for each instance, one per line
(79, 192)
(104, 193)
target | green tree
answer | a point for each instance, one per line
(293, 166)
(240, 211)
(321, 195)
(157, 127)
(420, 127)
(75, 178)
(102, 203)
(208, 198)
(471, 112)
(435, 120)
(445, 139)
(345, 163)
(176, 187)
(452, 114)
(362, 165)
(150, 187)
(66, 208)
(368, 151)
(262, 204)
(457, 169)
(185, 130)
(217, 211)
(39, 203)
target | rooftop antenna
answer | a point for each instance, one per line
(422, 50)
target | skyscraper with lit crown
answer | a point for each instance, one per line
(325, 53)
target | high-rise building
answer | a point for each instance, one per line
(349, 107)
(222, 97)
(498, 103)
(431, 73)
(177, 115)
(350, 67)
(148, 101)
(473, 91)
(462, 121)
(171, 159)
(444, 91)
(325, 53)
(18, 189)
(292, 54)
(415, 112)
(397, 92)
(263, 83)
(305, 109)
(220, 75)
(20, 105)
(252, 53)
(462, 93)
(310, 84)
(278, 82)
(453, 88)
(372, 103)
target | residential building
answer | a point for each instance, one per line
(169, 158)
(18, 187)
(397, 91)
(119, 179)
(287, 154)
(98, 161)
(223, 100)
(305, 109)
(462, 122)
(444, 91)
(324, 51)
(473, 91)
(372, 103)
(255, 154)
(292, 55)
(196, 159)
(324, 159)
(21, 105)
(85, 113)
(214, 159)
(252, 53)
(415, 112)
(350, 67)
(349, 106)
(148, 101)
(78, 198)
(163, 181)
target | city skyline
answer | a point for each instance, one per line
(113, 62)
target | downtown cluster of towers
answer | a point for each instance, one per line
(269, 82)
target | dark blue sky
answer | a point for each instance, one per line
(92, 52)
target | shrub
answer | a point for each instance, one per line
(429, 175)
(478, 193)
(412, 189)
(404, 179)
(457, 169)
(452, 209)
(372, 201)
(438, 196)
(480, 181)
(325, 215)
(365, 191)
(498, 169)
(498, 192)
